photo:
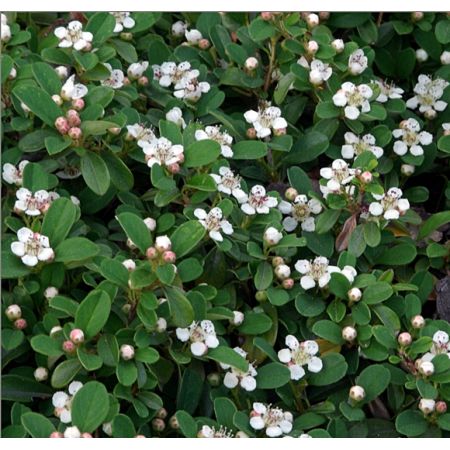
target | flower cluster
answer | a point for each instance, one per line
(32, 247)
(354, 99)
(266, 120)
(214, 223)
(62, 402)
(300, 211)
(274, 421)
(389, 205)
(74, 36)
(339, 177)
(411, 138)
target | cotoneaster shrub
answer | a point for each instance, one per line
(222, 225)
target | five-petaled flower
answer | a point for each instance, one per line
(115, 79)
(339, 176)
(299, 354)
(355, 145)
(73, 91)
(123, 20)
(201, 336)
(12, 174)
(74, 36)
(315, 272)
(63, 402)
(388, 91)
(275, 421)
(266, 120)
(357, 62)
(228, 183)
(32, 204)
(214, 223)
(237, 377)
(32, 247)
(143, 135)
(223, 138)
(161, 151)
(411, 137)
(258, 201)
(300, 211)
(390, 204)
(354, 99)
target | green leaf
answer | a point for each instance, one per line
(434, 222)
(166, 273)
(255, 323)
(377, 293)
(37, 425)
(36, 178)
(188, 426)
(47, 78)
(101, 25)
(93, 313)
(327, 110)
(136, 230)
(398, 255)
(227, 355)
(46, 345)
(272, 376)
(186, 237)
(65, 372)
(89, 361)
(411, 423)
(58, 220)
(372, 234)
(325, 221)
(249, 150)
(75, 249)
(6, 64)
(126, 372)
(299, 180)
(147, 355)
(263, 276)
(444, 422)
(328, 330)
(224, 409)
(201, 153)
(190, 390)
(374, 379)
(17, 388)
(123, 427)
(56, 144)
(95, 172)
(115, 272)
(39, 102)
(121, 176)
(357, 244)
(442, 31)
(90, 406)
(180, 307)
(309, 306)
(108, 350)
(307, 148)
(334, 368)
(260, 29)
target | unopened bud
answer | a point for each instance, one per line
(150, 223)
(366, 177)
(238, 318)
(288, 283)
(169, 257)
(427, 405)
(40, 374)
(161, 413)
(13, 312)
(354, 294)
(173, 423)
(357, 393)
(127, 352)
(69, 346)
(86, 435)
(430, 114)
(56, 434)
(421, 55)
(204, 44)
(407, 169)
(426, 368)
(279, 131)
(312, 47)
(282, 271)
(158, 424)
(129, 264)
(251, 133)
(143, 81)
(77, 336)
(404, 339)
(114, 131)
(312, 20)
(261, 296)
(174, 168)
(51, 292)
(418, 322)
(162, 244)
(125, 36)
(241, 435)
(20, 324)
(291, 193)
(73, 118)
(161, 325)
(324, 15)
(338, 45)
(441, 407)
(416, 16)
(57, 99)
(151, 253)
(277, 260)
(349, 334)
(251, 63)
(75, 133)
(62, 72)
(78, 104)
(214, 379)
(272, 236)
(266, 16)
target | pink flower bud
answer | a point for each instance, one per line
(13, 312)
(56, 434)
(416, 16)
(73, 118)
(158, 425)
(204, 44)
(86, 435)
(75, 133)
(324, 15)
(251, 63)
(143, 81)
(291, 193)
(62, 125)
(251, 133)
(20, 324)
(161, 413)
(151, 253)
(127, 352)
(51, 292)
(162, 244)
(418, 322)
(173, 423)
(126, 81)
(266, 16)
(312, 47)
(349, 334)
(139, 436)
(441, 407)
(174, 168)
(169, 257)
(357, 393)
(288, 283)
(366, 177)
(77, 336)
(279, 131)
(78, 104)
(404, 339)
(69, 346)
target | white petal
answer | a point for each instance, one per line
(284, 355)
(29, 260)
(297, 372)
(307, 282)
(324, 280)
(274, 431)
(292, 342)
(74, 387)
(230, 380)
(285, 207)
(59, 399)
(198, 348)
(315, 365)
(290, 224)
(248, 383)
(18, 248)
(216, 236)
(257, 423)
(247, 209)
(351, 112)
(183, 334)
(302, 266)
(200, 213)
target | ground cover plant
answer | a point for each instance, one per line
(225, 224)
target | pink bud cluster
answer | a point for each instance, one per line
(70, 125)
(162, 251)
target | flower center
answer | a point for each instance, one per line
(300, 211)
(32, 247)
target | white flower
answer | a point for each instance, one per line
(354, 146)
(193, 36)
(214, 223)
(178, 28)
(136, 70)
(63, 402)
(5, 29)
(72, 432)
(123, 20)
(299, 355)
(221, 137)
(318, 70)
(275, 421)
(354, 99)
(272, 236)
(357, 62)
(390, 204)
(228, 183)
(427, 405)
(201, 336)
(266, 120)
(387, 91)
(171, 73)
(12, 174)
(74, 36)
(126, 352)
(258, 201)
(238, 318)
(175, 115)
(129, 264)
(427, 96)
(72, 91)
(51, 292)
(441, 345)
(339, 175)
(32, 247)
(115, 79)
(210, 432)
(338, 45)
(300, 211)
(445, 57)
(150, 223)
(315, 272)
(191, 90)
(412, 138)
(161, 151)
(141, 134)
(237, 377)
(421, 55)
(29, 203)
